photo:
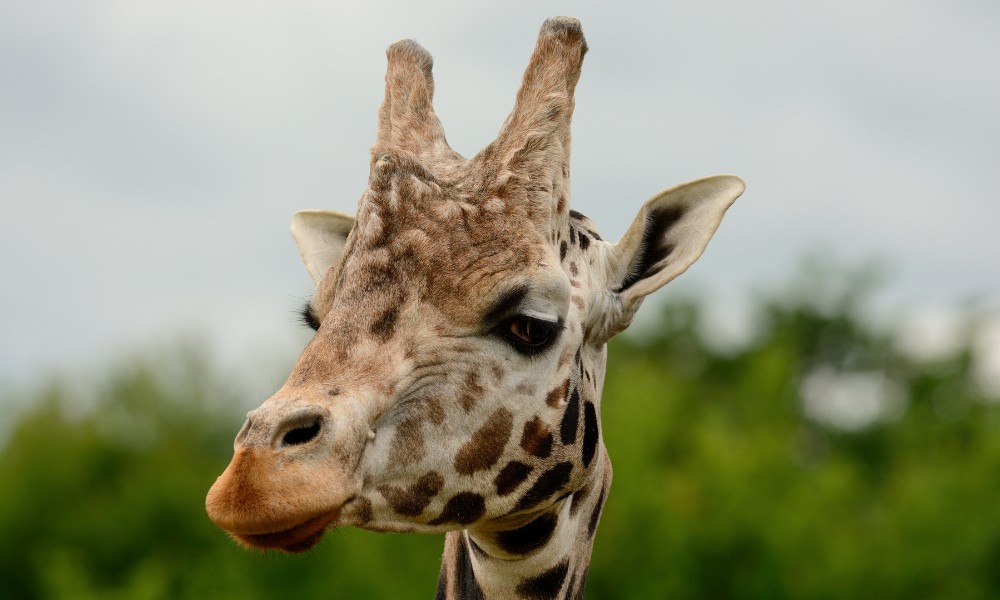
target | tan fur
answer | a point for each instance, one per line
(418, 405)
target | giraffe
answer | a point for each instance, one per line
(453, 384)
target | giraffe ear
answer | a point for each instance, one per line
(668, 235)
(320, 236)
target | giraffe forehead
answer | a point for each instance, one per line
(456, 255)
(447, 232)
(458, 213)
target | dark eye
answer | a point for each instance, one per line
(529, 335)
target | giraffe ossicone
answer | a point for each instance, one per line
(454, 380)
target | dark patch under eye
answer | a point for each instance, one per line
(308, 318)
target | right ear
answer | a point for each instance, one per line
(320, 236)
(669, 233)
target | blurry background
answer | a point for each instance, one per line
(812, 412)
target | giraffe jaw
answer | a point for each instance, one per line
(298, 538)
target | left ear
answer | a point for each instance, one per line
(667, 236)
(320, 236)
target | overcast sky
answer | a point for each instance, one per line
(152, 153)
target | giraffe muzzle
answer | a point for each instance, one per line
(285, 484)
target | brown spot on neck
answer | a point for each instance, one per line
(546, 585)
(557, 395)
(536, 439)
(466, 585)
(529, 537)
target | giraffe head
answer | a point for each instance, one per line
(455, 376)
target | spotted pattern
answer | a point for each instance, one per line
(407, 445)
(579, 497)
(422, 221)
(557, 395)
(536, 439)
(412, 501)
(511, 477)
(463, 508)
(471, 391)
(363, 510)
(434, 411)
(467, 586)
(546, 585)
(486, 445)
(590, 432)
(547, 484)
(571, 418)
(529, 537)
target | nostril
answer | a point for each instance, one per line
(301, 435)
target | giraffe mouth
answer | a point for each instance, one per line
(295, 539)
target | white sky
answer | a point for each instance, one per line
(152, 153)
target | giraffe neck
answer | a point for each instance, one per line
(547, 556)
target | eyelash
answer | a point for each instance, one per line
(546, 336)
(307, 318)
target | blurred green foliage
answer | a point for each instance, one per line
(725, 487)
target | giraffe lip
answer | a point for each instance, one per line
(298, 538)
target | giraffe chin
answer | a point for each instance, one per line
(299, 538)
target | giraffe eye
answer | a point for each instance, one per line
(529, 335)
